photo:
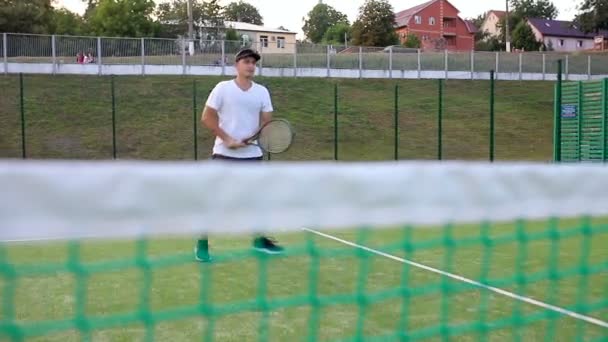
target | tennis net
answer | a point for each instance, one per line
(373, 251)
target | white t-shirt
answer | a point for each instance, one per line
(239, 115)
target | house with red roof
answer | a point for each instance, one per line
(438, 26)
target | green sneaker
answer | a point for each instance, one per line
(267, 245)
(201, 251)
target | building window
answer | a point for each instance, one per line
(264, 41)
(580, 43)
(418, 19)
(561, 42)
(281, 42)
(432, 21)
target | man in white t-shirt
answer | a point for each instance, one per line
(234, 112)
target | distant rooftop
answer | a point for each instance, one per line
(560, 28)
(256, 28)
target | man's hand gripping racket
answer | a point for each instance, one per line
(276, 136)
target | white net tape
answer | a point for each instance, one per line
(42, 200)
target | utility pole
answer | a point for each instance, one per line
(507, 31)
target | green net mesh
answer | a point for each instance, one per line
(354, 285)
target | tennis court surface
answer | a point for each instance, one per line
(102, 251)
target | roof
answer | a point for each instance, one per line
(403, 18)
(560, 28)
(499, 14)
(239, 26)
(471, 26)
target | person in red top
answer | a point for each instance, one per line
(80, 58)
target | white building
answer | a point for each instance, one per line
(564, 36)
(491, 23)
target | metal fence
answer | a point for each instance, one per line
(63, 50)
(135, 117)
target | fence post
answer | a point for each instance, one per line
(472, 64)
(589, 67)
(446, 57)
(396, 122)
(440, 122)
(113, 94)
(579, 118)
(544, 66)
(360, 62)
(419, 65)
(567, 68)
(5, 52)
(492, 100)
(143, 56)
(295, 60)
(605, 118)
(497, 62)
(54, 53)
(22, 110)
(195, 118)
(390, 62)
(328, 60)
(261, 59)
(336, 121)
(223, 57)
(99, 71)
(557, 138)
(521, 65)
(183, 56)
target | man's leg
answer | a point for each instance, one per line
(201, 250)
(261, 243)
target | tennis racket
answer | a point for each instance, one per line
(276, 136)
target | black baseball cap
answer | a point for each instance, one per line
(245, 53)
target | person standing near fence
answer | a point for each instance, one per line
(234, 112)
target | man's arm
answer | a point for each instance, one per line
(211, 120)
(265, 118)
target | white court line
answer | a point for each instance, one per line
(543, 305)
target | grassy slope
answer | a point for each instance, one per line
(70, 117)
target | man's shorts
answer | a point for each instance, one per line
(221, 157)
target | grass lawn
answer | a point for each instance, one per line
(71, 117)
(320, 290)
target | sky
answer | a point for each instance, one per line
(290, 13)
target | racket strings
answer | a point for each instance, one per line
(276, 137)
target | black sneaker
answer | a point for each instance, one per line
(267, 245)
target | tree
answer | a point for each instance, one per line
(213, 20)
(478, 22)
(123, 18)
(91, 5)
(232, 35)
(375, 25)
(525, 9)
(412, 41)
(337, 34)
(524, 38)
(593, 15)
(320, 19)
(173, 17)
(67, 22)
(243, 12)
(25, 16)
(490, 44)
